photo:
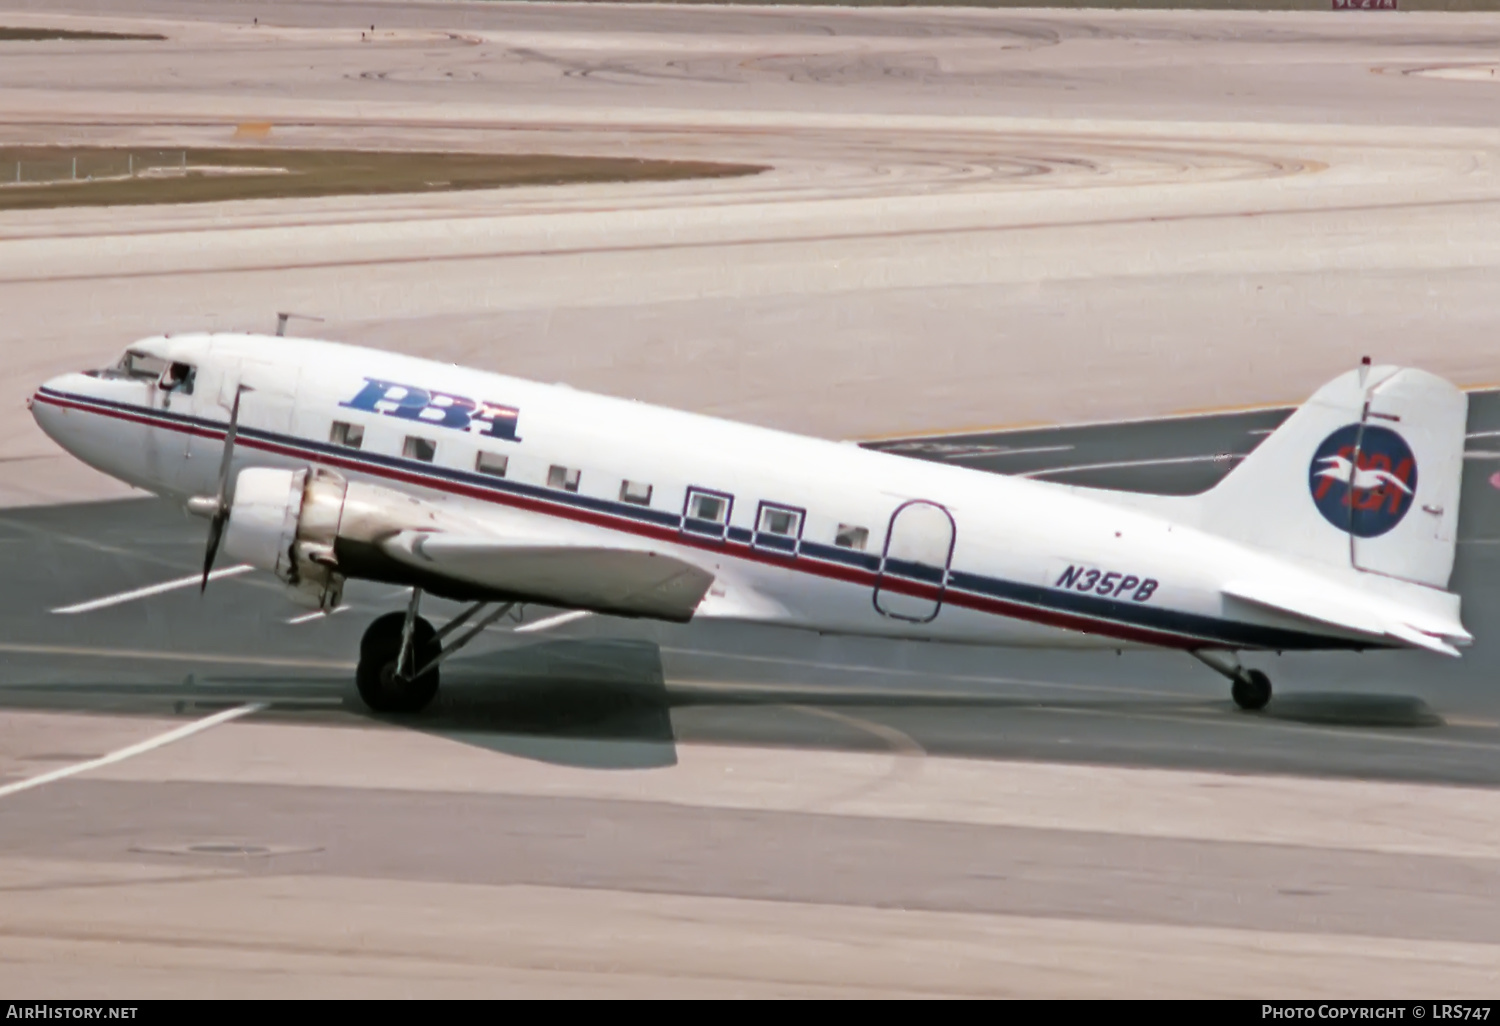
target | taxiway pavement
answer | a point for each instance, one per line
(972, 217)
(962, 821)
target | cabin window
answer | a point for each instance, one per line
(564, 478)
(707, 512)
(635, 492)
(779, 520)
(491, 463)
(707, 506)
(351, 436)
(778, 527)
(851, 537)
(423, 449)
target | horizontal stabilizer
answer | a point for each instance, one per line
(1421, 639)
(1341, 610)
(626, 582)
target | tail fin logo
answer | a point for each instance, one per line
(1368, 492)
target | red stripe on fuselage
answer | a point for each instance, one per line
(801, 564)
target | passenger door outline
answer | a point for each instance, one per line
(920, 533)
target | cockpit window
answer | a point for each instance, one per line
(178, 378)
(142, 366)
(168, 376)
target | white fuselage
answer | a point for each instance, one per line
(814, 534)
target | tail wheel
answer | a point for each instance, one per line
(379, 686)
(1252, 691)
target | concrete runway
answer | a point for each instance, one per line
(972, 218)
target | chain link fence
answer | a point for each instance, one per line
(94, 167)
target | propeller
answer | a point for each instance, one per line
(221, 500)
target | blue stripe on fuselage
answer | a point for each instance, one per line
(1187, 630)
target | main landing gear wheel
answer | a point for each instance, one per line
(1252, 690)
(382, 689)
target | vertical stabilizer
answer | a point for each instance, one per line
(1365, 476)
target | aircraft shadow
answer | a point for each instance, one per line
(1343, 709)
(606, 704)
(1353, 710)
(597, 704)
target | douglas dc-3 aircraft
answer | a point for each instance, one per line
(320, 462)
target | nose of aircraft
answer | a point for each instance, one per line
(49, 404)
(41, 405)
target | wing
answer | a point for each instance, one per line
(620, 581)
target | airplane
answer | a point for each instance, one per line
(321, 462)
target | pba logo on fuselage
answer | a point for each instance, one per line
(1363, 479)
(440, 409)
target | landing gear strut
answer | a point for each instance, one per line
(1251, 689)
(400, 653)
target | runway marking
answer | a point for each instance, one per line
(1191, 414)
(991, 450)
(1464, 721)
(552, 621)
(173, 657)
(1216, 458)
(88, 543)
(906, 753)
(154, 589)
(902, 743)
(1194, 414)
(981, 429)
(950, 451)
(150, 744)
(316, 615)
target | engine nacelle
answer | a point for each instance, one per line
(286, 522)
(289, 521)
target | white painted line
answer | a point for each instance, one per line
(953, 451)
(1014, 429)
(980, 450)
(1220, 458)
(552, 621)
(316, 615)
(1071, 425)
(133, 750)
(155, 589)
(170, 657)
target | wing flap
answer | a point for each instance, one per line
(628, 582)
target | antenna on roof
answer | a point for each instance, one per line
(1364, 370)
(282, 318)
